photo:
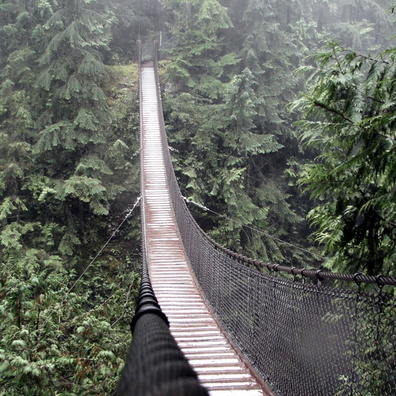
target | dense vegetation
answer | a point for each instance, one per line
(66, 182)
(350, 120)
(69, 176)
(231, 75)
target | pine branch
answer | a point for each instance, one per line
(331, 110)
(376, 100)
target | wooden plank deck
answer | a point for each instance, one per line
(219, 367)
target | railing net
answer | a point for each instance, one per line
(303, 338)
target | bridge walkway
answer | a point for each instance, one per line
(219, 367)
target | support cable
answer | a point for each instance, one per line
(94, 259)
(255, 229)
(308, 273)
(104, 246)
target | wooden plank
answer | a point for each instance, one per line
(219, 367)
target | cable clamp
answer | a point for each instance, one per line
(355, 278)
(195, 203)
(378, 278)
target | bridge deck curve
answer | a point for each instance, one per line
(219, 367)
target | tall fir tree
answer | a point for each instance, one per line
(75, 119)
(61, 163)
(349, 119)
(230, 129)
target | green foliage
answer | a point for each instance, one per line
(227, 122)
(68, 162)
(350, 120)
(229, 83)
(54, 340)
(66, 176)
(75, 120)
(198, 60)
(361, 26)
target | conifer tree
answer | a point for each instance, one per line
(75, 119)
(56, 339)
(23, 34)
(361, 26)
(198, 56)
(199, 70)
(226, 128)
(349, 119)
(247, 145)
(274, 33)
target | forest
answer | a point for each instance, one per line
(280, 117)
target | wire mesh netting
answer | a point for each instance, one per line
(303, 337)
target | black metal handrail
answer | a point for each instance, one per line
(307, 273)
(304, 338)
(155, 364)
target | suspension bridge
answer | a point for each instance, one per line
(209, 321)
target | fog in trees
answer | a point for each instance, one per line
(233, 74)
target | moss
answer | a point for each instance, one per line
(121, 82)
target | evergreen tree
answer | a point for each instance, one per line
(360, 26)
(273, 46)
(278, 35)
(230, 129)
(18, 103)
(75, 119)
(61, 164)
(22, 39)
(241, 145)
(198, 55)
(199, 72)
(349, 119)
(197, 78)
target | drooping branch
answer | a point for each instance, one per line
(332, 110)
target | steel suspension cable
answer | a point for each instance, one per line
(304, 338)
(298, 333)
(90, 264)
(255, 229)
